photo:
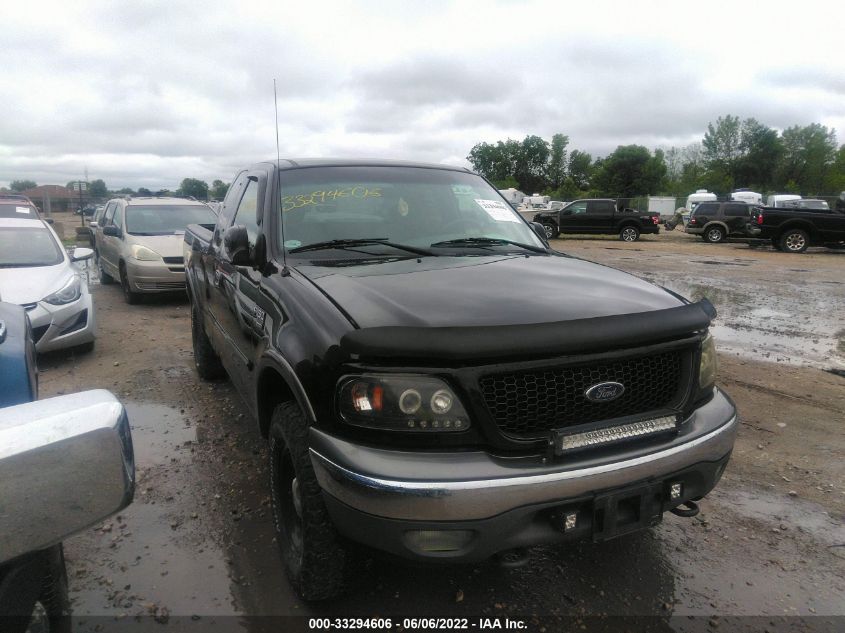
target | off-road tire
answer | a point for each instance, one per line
(132, 298)
(105, 278)
(629, 233)
(794, 241)
(552, 231)
(317, 560)
(714, 234)
(54, 597)
(206, 359)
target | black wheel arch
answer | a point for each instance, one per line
(277, 382)
(802, 225)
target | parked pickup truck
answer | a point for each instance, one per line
(436, 382)
(65, 464)
(601, 216)
(793, 230)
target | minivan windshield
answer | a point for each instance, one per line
(166, 219)
(405, 206)
(24, 246)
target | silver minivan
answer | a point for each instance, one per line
(138, 243)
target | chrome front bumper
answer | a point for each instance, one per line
(465, 486)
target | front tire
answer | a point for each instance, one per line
(714, 234)
(794, 241)
(551, 229)
(206, 359)
(316, 559)
(629, 234)
(131, 297)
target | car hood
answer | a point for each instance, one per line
(28, 285)
(481, 291)
(165, 245)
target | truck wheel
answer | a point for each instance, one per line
(714, 234)
(105, 278)
(551, 230)
(629, 234)
(315, 557)
(794, 241)
(53, 606)
(206, 359)
(131, 297)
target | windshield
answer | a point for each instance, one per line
(404, 205)
(28, 247)
(165, 219)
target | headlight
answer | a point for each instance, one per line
(68, 293)
(401, 403)
(709, 364)
(144, 254)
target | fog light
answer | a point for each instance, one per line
(569, 521)
(675, 491)
(438, 540)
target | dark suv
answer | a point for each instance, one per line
(717, 221)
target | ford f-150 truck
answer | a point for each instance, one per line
(434, 380)
(793, 230)
(600, 216)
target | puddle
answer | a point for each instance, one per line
(163, 550)
(798, 326)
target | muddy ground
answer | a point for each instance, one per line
(198, 540)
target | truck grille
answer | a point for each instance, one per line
(531, 403)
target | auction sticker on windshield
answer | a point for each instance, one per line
(22, 210)
(497, 210)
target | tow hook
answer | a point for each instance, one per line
(687, 509)
(513, 558)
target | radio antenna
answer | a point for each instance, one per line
(279, 180)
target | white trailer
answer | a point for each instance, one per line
(778, 199)
(536, 201)
(751, 197)
(701, 195)
(662, 205)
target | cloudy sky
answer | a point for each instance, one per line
(149, 93)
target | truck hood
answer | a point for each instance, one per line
(28, 285)
(481, 291)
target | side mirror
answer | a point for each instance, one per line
(93, 224)
(112, 231)
(49, 220)
(540, 230)
(67, 463)
(81, 253)
(236, 242)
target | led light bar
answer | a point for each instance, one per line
(607, 435)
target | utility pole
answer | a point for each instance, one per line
(80, 186)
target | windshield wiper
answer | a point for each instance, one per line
(364, 241)
(487, 241)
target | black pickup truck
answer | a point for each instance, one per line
(599, 216)
(434, 381)
(794, 230)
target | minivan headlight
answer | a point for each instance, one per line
(144, 254)
(401, 403)
(68, 293)
(708, 365)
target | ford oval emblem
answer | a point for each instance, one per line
(605, 391)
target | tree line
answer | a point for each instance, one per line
(98, 190)
(733, 154)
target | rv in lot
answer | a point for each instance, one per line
(701, 195)
(778, 200)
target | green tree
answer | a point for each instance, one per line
(97, 188)
(557, 161)
(835, 181)
(194, 187)
(630, 171)
(219, 189)
(580, 169)
(809, 154)
(143, 191)
(532, 164)
(722, 144)
(22, 185)
(761, 152)
(126, 191)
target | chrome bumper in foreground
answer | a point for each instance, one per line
(463, 486)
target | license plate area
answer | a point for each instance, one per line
(625, 511)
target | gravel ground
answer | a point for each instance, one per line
(770, 541)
